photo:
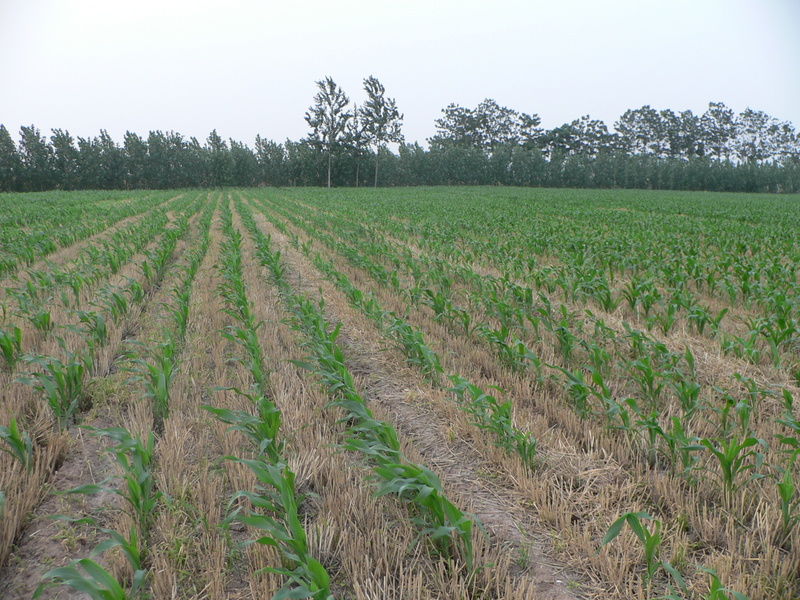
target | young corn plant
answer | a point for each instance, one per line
(789, 499)
(496, 418)
(42, 321)
(156, 371)
(135, 290)
(413, 345)
(260, 428)
(650, 539)
(578, 390)
(180, 311)
(735, 457)
(279, 521)
(254, 361)
(11, 347)
(60, 382)
(716, 591)
(17, 443)
(683, 449)
(687, 391)
(94, 327)
(511, 351)
(85, 575)
(134, 456)
(648, 378)
(114, 302)
(449, 529)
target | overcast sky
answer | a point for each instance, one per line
(247, 67)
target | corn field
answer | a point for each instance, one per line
(450, 393)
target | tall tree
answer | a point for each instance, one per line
(65, 159)
(113, 169)
(642, 131)
(760, 137)
(10, 163)
(219, 160)
(718, 130)
(485, 127)
(271, 158)
(244, 165)
(328, 119)
(37, 157)
(134, 149)
(194, 164)
(381, 121)
(584, 136)
(356, 140)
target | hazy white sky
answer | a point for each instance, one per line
(248, 67)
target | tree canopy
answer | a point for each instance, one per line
(486, 145)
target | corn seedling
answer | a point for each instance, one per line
(683, 449)
(686, 390)
(94, 327)
(496, 418)
(42, 321)
(254, 361)
(790, 500)
(134, 456)
(60, 382)
(85, 575)
(180, 312)
(306, 577)
(157, 372)
(735, 458)
(260, 428)
(413, 346)
(115, 303)
(17, 443)
(10, 346)
(136, 291)
(716, 591)
(577, 388)
(651, 545)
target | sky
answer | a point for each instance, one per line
(248, 67)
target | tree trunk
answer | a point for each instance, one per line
(329, 168)
(377, 153)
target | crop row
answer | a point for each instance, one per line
(34, 228)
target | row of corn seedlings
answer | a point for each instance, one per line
(448, 530)
(95, 261)
(492, 416)
(32, 228)
(61, 381)
(157, 361)
(651, 301)
(134, 456)
(721, 451)
(109, 300)
(481, 405)
(60, 377)
(639, 420)
(273, 506)
(134, 453)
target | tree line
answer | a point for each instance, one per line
(349, 145)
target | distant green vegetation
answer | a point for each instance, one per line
(349, 145)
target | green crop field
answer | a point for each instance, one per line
(400, 393)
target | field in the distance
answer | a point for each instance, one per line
(411, 393)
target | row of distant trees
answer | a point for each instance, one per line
(353, 145)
